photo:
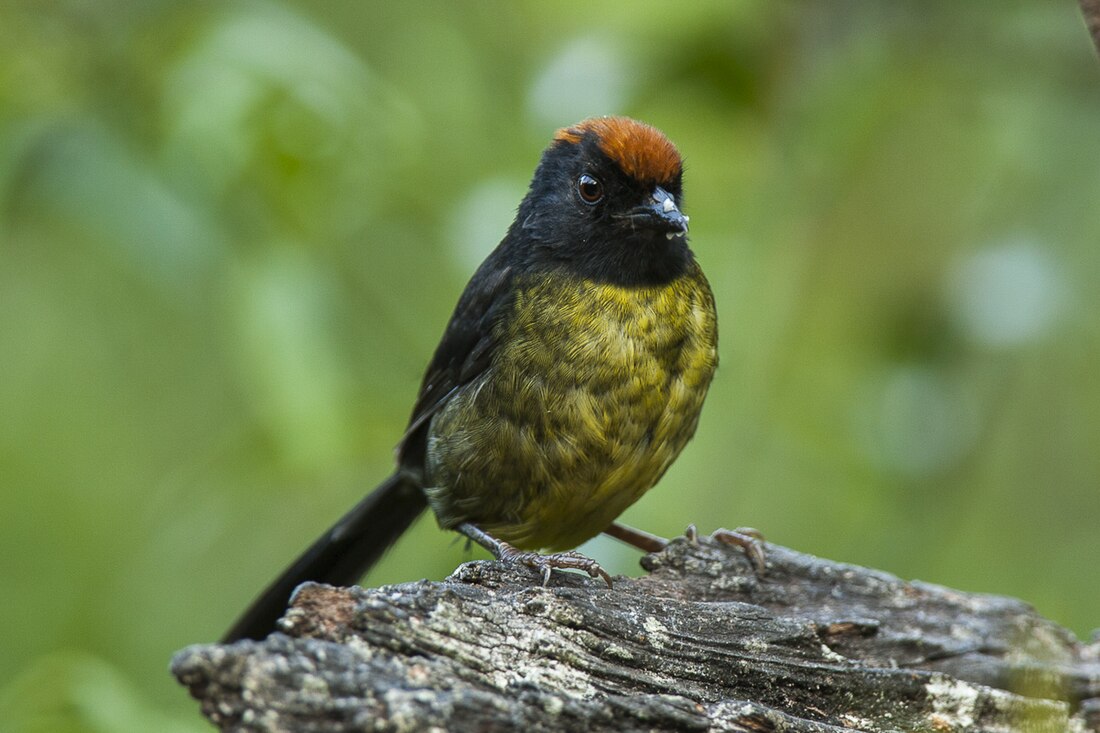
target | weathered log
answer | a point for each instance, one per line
(700, 643)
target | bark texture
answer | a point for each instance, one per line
(700, 644)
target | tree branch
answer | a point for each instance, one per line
(699, 644)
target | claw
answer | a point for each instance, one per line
(750, 540)
(562, 560)
(544, 564)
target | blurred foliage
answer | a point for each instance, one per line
(231, 235)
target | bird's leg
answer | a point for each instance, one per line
(747, 538)
(641, 539)
(504, 552)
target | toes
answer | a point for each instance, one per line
(750, 532)
(571, 560)
(593, 572)
(750, 541)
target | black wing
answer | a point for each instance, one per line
(464, 352)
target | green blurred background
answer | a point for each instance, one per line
(231, 234)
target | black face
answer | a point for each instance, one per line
(585, 215)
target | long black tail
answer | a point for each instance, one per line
(340, 556)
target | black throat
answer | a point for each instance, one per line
(646, 259)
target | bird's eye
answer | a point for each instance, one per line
(589, 189)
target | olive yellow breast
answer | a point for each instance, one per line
(593, 391)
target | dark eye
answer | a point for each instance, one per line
(590, 190)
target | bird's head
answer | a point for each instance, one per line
(605, 203)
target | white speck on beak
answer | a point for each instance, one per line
(668, 205)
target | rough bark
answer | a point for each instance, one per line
(700, 644)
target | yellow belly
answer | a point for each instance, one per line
(592, 393)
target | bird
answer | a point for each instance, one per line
(570, 376)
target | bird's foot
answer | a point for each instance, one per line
(505, 552)
(750, 540)
(570, 560)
